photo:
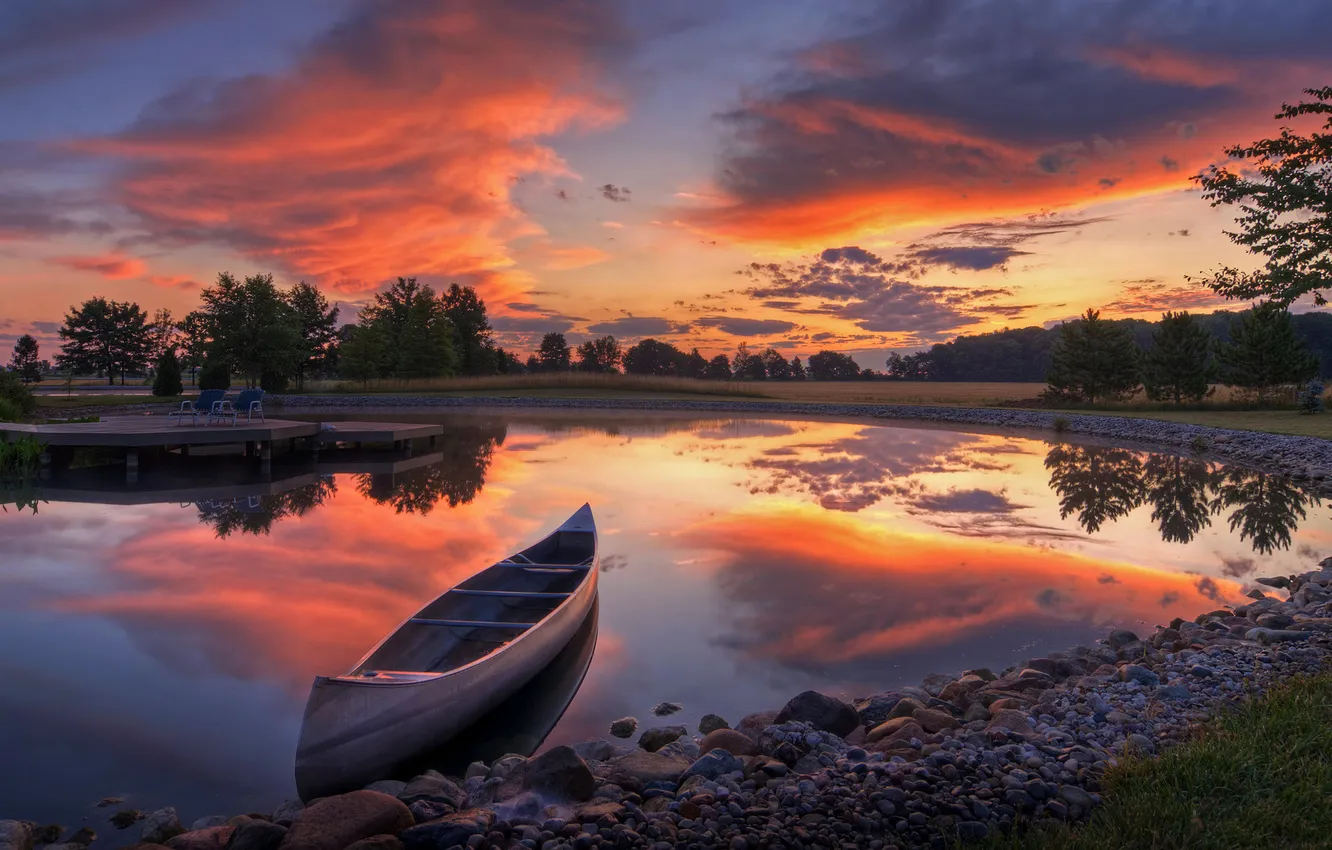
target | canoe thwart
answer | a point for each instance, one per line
(471, 624)
(511, 594)
(531, 566)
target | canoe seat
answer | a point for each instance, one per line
(472, 624)
(511, 594)
(528, 565)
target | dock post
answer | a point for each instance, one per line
(132, 466)
(433, 438)
(266, 456)
(185, 450)
(249, 448)
(44, 461)
(407, 447)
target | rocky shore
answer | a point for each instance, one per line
(959, 758)
(1306, 459)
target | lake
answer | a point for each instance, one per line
(158, 645)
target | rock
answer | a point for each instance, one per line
(391, 787)
(16, 834)
(932, 720)
(1139, 674)
(888, 727)
(976, 711)
(1132, 650)
(1274, 581)
(257, 835)
(666, 709)
(1256, 594)
(334, 822)
(597, 749)
(960, 691)
(1119, 637)
(160, 826)
(424, 811)
(641, 767)
(1172, 692)
(1010, 719)
(710, 723)
(209, 821)
(905, 707)
(874, 710)
(683, 748)
(560, 773)
(208, 838)
(84, 836)
(733, 742)
(903, 729)
(822, 712)
(1140, 743)
(288, 813)
(754, 724)
(125, 818)
(714, 765)
(377, 842)
(1075, 796)
(624, 727)
(659, 736)
(1274, 620)
(592, 812)
(448, 831)
(1268, 636)
(972, 831)
(48, 834)
(933, 683)
(432, 786)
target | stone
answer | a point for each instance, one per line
(713, 765)
(377, 842)
(391, 787)
(1075, 796)
(933, 683)
(162, 825)
(874, 710)
(710, 723)
(432, 786)
(641, 767)
(288, 813)
(560, 773)
(822, 712)
(209, 821)
(902, 732)
(1010, 719)
(754, 724)
(448, 831)
(1138, 673)
(48, 834)
(16, 834)
(683, 748)
(960, 691)
(624, 727)
(1140, 743)
(83, 835)
(1274, 581)
(976, 711)
(1256, 594)
(1172, 692)
(597, 749)
(1274, 620)
(1269, 636)
(208, 838)
(1119, 637)
(972, 831)
(334, 822)
(667, 708)
(257, 835)
(659, 736)
(888, 727)
(125, 818)
(932, 720)
(733, 742)
(905, 707)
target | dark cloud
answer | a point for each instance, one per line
(631, 326)
(26, 215)
(964, 501)
(1169, 164)
(1109, 182)
(1106, 578)
(563, 195)
(1238, 567)
(974, 258)
(1169, 598)
(745, 327)
(531, 324)
(1154, 296)
(1208, 587)
(611, 192)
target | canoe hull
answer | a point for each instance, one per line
(355, 732)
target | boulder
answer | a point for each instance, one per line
(434, 787)
(16, 834)
(641, 767)
(959, 692)
(391, 787)
(208, 838)
(1274, 581)
(710, 723)
(733, 742)
(162, 825)
(905, 707)
(874, 710)
(624, 727)
(448, 831)
(1010, 719)
(334, 822)
(288, 813)
(560, 773)
(888, 727)
(1275, 620)
(1139, 674)
(1267, 636)
(903, 730)
(659, 736)
(377, 842)
(822, 712)
(209, 820)
(667, 708)
(933, 720)
(754, 724)
(713, 765)
(257, 835)
(683, 748)
(933, 683)
(1119, 637)
(976, 711)
(597, 749)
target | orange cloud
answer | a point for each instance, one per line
(560, 259)
(114, 266)
(390, 148)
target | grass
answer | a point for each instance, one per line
(550, 384)
(62, 402)
(1260, 776)
(1269, 421)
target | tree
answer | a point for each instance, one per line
(719, 368)
(1267, 507)
(1178, 366)
(104, 336)
(214, 375)
(1284, 196)
(775, 365)
(163, 334)
(600, 355)
(509, 364)
(1094, 359)
(746, 366)
(1264, 352)
(248, 326)
(318, 325)
(24, 361)
(361, 352)
(166, 381)
(650, 357)
(1176, 488)
(832, 366)
(1098, 484)
(553, 353)
(427, 346)
(467, 312)
(693, 365)
(797, 370)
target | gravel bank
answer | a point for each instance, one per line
(1307, 459)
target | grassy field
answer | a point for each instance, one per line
(1271, 421)
(549, 384)
(1259, 777)
(60, 402)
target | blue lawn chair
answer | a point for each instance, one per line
(248, 402)
(201, 406)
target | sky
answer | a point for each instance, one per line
(852, 175)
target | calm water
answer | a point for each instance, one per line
(162, 650)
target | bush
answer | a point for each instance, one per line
(1060, 424)
(274, 382)
(214, 376)
(1199, 444)
(167, 380)
(1311, 397)
(17, 399)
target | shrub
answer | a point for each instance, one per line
(167, 380)
(18, 399)
(1199, 444)
(214, 376)
(1060, 424)
(1311, 397)
(273, 382)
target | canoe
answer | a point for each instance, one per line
(449, 664)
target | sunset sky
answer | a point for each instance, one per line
(847, 174)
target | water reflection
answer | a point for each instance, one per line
(1177, 491)
(1099, 484)
(1267, 507)
(456, 478)
(255, 514)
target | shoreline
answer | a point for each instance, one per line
(962, 757)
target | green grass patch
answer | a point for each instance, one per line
(1270, 421)
(1259, 776)
(51, 402)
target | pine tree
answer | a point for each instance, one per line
(797, 369)
(554, 353)
(1265, 353)
(167, 380)
(1094, 359)
(24, 360)
(1178, 366)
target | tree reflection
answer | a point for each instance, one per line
(257, 514)
(467, 451)
(1267, 507)
(1099, 484)
(1177, 491)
